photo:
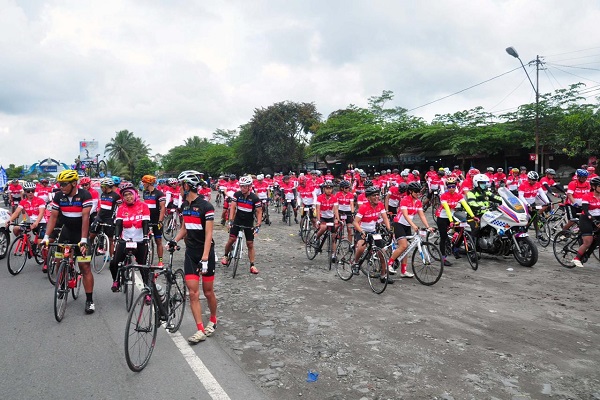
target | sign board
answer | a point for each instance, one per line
(88, 150)
(48, 168)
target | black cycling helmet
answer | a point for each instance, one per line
(328, 183)
(403, 187)
(595, 181)
(344, 184)
(232, 177)
(414, 187)
(368, 183)
(371, 190)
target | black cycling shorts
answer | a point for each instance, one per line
(248, 232)
(401, 231)
(192, 266)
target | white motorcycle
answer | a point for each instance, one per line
(503, 230)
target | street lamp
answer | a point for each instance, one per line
(511, 50)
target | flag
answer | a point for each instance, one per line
(3, 178)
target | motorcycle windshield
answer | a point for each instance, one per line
(511, 201)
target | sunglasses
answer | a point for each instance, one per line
(85, 184)
(64, 184)
(451, 186)
(29, 191)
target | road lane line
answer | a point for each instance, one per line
(214, 389)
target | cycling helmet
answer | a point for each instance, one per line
(245, 180)
(403, 187)
(473, 172)
(582, 172)
(500, 170)
(260, 177)
(371, 190)
(190, 177)
(36, 181)
(302, 179)
(149, 179)
(15, 180)
(456, 167)
(107, 182)
(414, 187)
(533, 175)
(550, 171)
(415, 172)
(451, 181)
(441, 172)
(171, 181)
(590, 169)
(404, 173)
(480, 178)
(127, 186)
(389, 171)
(595, 181)
(523, 168)
(268, 176)
(363, 175)
(514, 170)
(328, 183)
(69, 175)
(344, 184)
(28, 186)
(286, 178)
(368, 183)
(448, 173)
(376, 174)
(116, 180)
(490, 169)
(233, 177)
(85, 180)
(395, 171)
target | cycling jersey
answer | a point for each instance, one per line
(307, 193)
(548, 181)
(593, 203)
(530, 192)
(95, 200)
(499, 177)
(246, 205)
(205, 192)
(452, 199)
(361, 199)
(394, 196)
(153, 200)
(15, 191)
(32, 207)
(133, 217)
(344, 199)
(261, 187)
(466, 185)
(410, 204)
(577, 190)
(71, 209)
(288, 190)
(435, 183)
(513, 182)
(369, 216)
(231, 188)
(326, 205)
(195, 216)
(43, 192)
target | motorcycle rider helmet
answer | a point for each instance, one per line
(480, 181)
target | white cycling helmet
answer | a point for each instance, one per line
(260, 177)
(28, 185)
(479, 178)
(190, 177)
(245, 180)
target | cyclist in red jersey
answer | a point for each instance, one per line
(34, 207)
(306, 192)
(457, 173)
(345, 200)
(575, 192)
(43, 190)
(589, 219)
(549, 184)
(327, 211)
(592, 173)
(288, 190)
(500, 177)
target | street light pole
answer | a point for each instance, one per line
(511, 51)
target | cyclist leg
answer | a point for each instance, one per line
(191, 262)
(249, 233)
(208, 289)
(233, 231)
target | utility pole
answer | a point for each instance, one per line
(537, 114)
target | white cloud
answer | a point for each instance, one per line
(169, 70)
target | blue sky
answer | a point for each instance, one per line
(73, 70)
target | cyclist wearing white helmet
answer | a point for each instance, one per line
(34, 207)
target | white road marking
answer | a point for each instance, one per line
(207, 380)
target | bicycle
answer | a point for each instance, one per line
(458, 236)
(540, 225)
(151, 245)
(68, 278)
(233, 257)
(305, 223)
(172, 223)
(22, 249)
(376, 262)
(94, 168)
(219, 198)
(566, 244)
(125, 273)
(150, 309)
(287, 217)
(100, 249)
(424, 258)
(314, 246)
(265, 214)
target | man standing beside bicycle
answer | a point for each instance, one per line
(156, 202)
(242, 207)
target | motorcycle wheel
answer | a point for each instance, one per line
(528, 255)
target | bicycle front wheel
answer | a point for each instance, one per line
(564, 246)
(61, 291)
(312, 246)
(427, 265)
(128, 287)
(151, 251)
(304, 228)
(100, 253)
(377, 274)
(543, 234)
(140, 332)
(17, 256)
(344, 254)
(471, 251)
(177, 296)
(170, 226)
(52, 263)
(237, 250)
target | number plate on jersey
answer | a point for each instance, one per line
(329, 224)
(131, 245)
(344, 217)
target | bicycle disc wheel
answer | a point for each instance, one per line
(312, 246)
(17, 256)
(236, 257)
(428, 266)
(77, 288)
(177, 295)
(564, 246)
(129, 287)
(344, 253)
(377, 267)
(140, 332)
(471, 251)
(61, 291)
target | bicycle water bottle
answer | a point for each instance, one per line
(161, 293)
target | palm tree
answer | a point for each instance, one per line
(127, 149)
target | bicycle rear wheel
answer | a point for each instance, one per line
(61, 291)
(304, 228)
(177, 296)
(329, 249)
(17, 256)
(236, 256)
(377, 267)
(102, 170)
(151, 251)
(543, 234)
(312, 246)
(75, 277)
(344, 255)
(52, 263)
(99, 257)
(140, 332)
(471, 250)
(428, 266)
(564, 246)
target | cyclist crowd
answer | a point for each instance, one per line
(72, 211)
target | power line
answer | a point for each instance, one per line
(577, 58)
(508, 95)
(581, 77)
(574, 51)
(464, 90)
(549, 71)
(572, 66)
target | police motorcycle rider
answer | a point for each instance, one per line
(480, 199)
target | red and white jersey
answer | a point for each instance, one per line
(591, 176)
(412, 178)
(32, 207)
(222, 184)
(513, 182)
(435, 183)
(132, 217)
(369, 216)
(499, 177)
(231, 188)
(43, 192)
(593, 203)
(344, 199)
(361, 199)
(394, 196)
(307, 193)
(577, 190)
(548, 181)
(95, 200)
(530, 193)
(326, 205)
(430, 175)
(288, 189)
(411, 205)
(329, 177)
(260, 188)
(172, 195)
(15, 190)
(452, 199)
(457, 173)
(467, 185)
(205, 192)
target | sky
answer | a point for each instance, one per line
(74, 70)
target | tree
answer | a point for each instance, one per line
(128, 150)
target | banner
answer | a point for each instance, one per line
(3, 177)
(88, 150)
